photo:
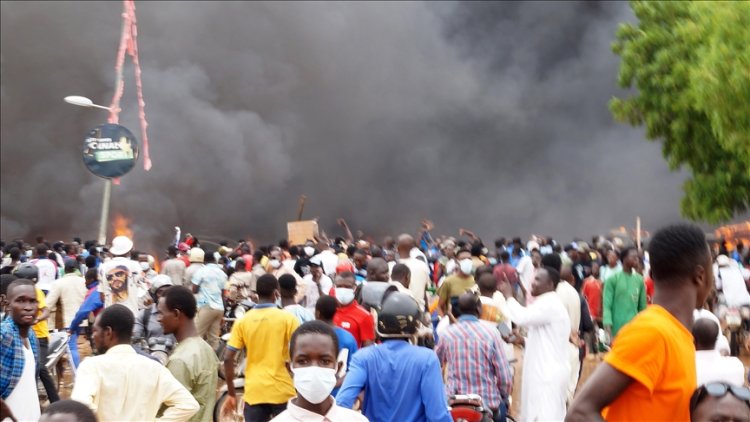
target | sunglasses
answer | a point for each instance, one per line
(718, 390)
(117, 274)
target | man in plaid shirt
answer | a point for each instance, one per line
(19, 354)
(473, 355)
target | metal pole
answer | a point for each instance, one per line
(104, 219)
(638, 233)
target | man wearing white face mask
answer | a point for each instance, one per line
(313, 367)
(456, 284)
(350, 316)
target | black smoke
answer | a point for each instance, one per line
(490, 116)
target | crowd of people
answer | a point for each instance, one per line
(350, 329)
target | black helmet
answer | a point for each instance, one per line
(28, 271)
(399, 316)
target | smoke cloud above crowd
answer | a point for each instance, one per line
(488, 116)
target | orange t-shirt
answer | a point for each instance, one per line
(657, 351)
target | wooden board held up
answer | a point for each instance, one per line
(300, 232)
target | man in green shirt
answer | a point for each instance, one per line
(456, 284)
(193, 362)
(624, 294)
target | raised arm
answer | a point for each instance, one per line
(527, 316)
(348, 233)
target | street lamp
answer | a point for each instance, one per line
(83, 102)
(104, 216)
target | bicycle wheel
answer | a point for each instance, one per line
(238, 415)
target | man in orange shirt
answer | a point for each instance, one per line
(650, 372)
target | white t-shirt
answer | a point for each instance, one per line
(311, 289)
(329, 260)
(122, 286)
(710, 366)
(23, 401)
(420, 278)
(47, 273)
(525, 268)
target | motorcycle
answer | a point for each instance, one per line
(232, 314)
(239, 388)
(470, 408)
(58, 352)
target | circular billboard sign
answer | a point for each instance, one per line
(110, 150)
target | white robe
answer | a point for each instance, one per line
(546, 369)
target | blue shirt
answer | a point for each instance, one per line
(346, 341)
(211, 279)
(92, 303)
(11, 355)
(401, 382)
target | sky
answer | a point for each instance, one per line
(490, 116)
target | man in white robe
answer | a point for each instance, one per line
(572, 303)
(546, 369)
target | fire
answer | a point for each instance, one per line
(121, 226)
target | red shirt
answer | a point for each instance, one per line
(185, 259)
(649, 289)
(592, 291)
(503, 272)
(357, 321)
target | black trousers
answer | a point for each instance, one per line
(262, 412)
(47, 381)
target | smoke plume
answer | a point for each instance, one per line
(489, 116)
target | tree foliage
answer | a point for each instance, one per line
(690, 65)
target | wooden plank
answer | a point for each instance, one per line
(299, 232)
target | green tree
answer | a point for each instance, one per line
(690, 65)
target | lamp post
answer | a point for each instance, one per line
(104, 215)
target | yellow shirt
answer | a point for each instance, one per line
(265, 334)
(41, 329)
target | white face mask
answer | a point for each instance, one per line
(344, 295)
(309, 250)
(314, 383)
(466, 266)
(145, 266)
(275, 263)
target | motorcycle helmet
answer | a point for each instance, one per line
(28, 271)
(399, 316)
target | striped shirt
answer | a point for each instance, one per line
(475, 361)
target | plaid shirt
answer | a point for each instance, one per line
(475, 361)
(11, 355)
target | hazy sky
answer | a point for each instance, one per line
(489, 116)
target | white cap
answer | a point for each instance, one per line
(121, 245)
(197, 255)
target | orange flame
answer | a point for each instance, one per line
(121, 226)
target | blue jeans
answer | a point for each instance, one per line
(500, 414)
(73, 344)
